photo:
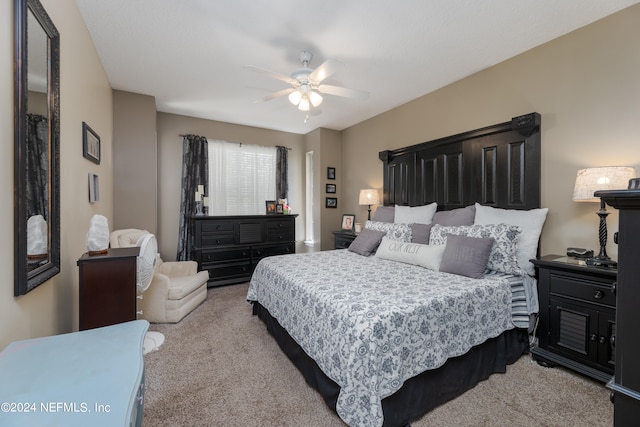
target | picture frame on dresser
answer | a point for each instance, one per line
(270, 207)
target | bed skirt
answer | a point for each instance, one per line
(421, 393)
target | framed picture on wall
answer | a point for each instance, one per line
(331, 173)
(331, 202)
(90, 144)
(330, 188)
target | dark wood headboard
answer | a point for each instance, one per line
(496, 166)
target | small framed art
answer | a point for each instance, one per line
(330, 188)
(348, 222)
(94, 188)
(331, 173)
(331, 202)
(271, 207)
(90, 144)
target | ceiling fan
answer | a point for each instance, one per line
(306, 83)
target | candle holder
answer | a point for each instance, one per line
(199, 210)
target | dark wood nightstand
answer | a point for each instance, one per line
(343, 239)
(577, 316)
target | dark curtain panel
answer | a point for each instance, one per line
(282, 172)
(194, 173)
(37, 156)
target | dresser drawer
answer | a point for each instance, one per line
(230, 271)
(280, 230)
(224, 255)
(582, 288)
(213, 239)
(264, 251)
(216, 226)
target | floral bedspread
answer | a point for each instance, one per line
(370, 324)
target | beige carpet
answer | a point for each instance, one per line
(220, 367)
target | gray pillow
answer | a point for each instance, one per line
(460, 216)
(384, 214)
(466, 256)
(367, 242)
(420, 233)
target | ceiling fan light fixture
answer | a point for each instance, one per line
(304, 104)
(315, 98)
(295, 97)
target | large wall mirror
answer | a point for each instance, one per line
(37, 146)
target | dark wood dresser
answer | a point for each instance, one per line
(229, 247)
(625, 384)
(577, 325)
(107, 287)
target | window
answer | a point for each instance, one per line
(241, 178)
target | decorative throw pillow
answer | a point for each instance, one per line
(420, 233)
(367, 242)
(466, 256)
(411, 253)
(503, 253)
(461, 216)
(530, 223)
(393, 230)
(418, 214)
(384, 214)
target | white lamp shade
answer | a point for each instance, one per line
(295, 97)
(591, 180)
(369, 197)
(304, 104)
(315, 98)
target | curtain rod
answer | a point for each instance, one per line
(183, 135)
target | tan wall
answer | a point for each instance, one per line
(585, 85)
(135, 161)
(85, 96)
(171, 126)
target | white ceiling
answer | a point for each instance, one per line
(189, 54)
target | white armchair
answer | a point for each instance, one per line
(176, 289)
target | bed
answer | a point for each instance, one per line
(386, 339)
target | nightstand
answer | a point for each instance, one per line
(577, 316)
(343, 239)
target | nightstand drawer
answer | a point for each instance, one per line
(582, 288)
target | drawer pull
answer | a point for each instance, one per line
(598, 294)
(612, 340)
(614, 285)
(593, 337)
(603, 340)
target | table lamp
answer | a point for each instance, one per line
(369, 197)
(591, 180)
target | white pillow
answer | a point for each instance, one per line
(415, 214)
(428, 256)
(530, 223)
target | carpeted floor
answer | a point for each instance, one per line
(220, 367)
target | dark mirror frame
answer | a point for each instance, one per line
(26, 279)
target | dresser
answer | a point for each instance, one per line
(577, 327)
(87, 378)
(229, 247)
(625, 384)
(107, 287)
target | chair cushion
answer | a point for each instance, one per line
(184, 285)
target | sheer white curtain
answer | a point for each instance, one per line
(241, 178)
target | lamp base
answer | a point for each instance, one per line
(602, 262)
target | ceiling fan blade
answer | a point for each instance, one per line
(275, 75)
(275, 95)
(326, 69)
(343, 91)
